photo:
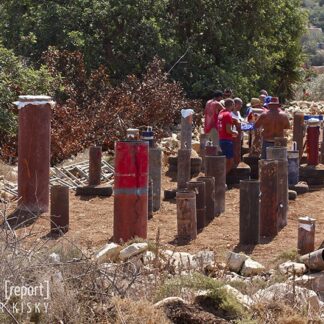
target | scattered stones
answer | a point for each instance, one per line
(251, 268)
(148, 257)
(300, 188)
(285, 292)
(292, 195)
(235, 261)
(290, 267)
(245, 300)
(54, 258)
(169, 300)
(314, 281)
(132, 250)
(109, 251)
(204, 258)
(181, 260)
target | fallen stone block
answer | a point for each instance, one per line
(251, 268)
(292, 195)
(313, 281)
(244, 300)
(290, 267)
(132, 250)
(235, 261)
(108, 252)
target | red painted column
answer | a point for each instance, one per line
(34, 152)
(130, 190)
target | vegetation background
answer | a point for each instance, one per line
(97, 58)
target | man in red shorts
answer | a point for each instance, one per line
(227, 133)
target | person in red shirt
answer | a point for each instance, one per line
(227, 133)
(212, 109)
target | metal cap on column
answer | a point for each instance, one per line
(130, 190)
(216, 167)
(200, 188)
(268, 175)
(34, 152)
(249, 211)
(95, 154)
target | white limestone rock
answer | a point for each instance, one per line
(108, 252)
(251, 268)
(290, 267)
(132, 250)
(244, 300)
(235, 261)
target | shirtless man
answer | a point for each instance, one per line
(273, 122)
(212, 109)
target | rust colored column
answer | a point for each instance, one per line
(306, 235)
(211, 150)
(210, 197)
(186, 132)
(200, 188)
(59, 209)
(95, 154)
(249, 211)
(322, 153)
(34, 152)
(183, 171)
(203, 141)
(150, 199)
(216, 167)
(298, 132)
(186, 215)
(155, 161)
(268, 176)
(280, 141)
(280, 154)
(130, 190)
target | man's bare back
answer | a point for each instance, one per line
(273, 122)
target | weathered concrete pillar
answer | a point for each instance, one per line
(293, 167)
(210, 197)
(186, 215)
(322, 153)
(200, 188)
(59, 209)
(249, 211)
(298, 132)
(306, 235)
(155, 161)
(280, 141)
(95, 154)
(280, 154)
(186, 132)
(211, 150)
(268, 170)
(183, 171)
(216, 167)
(34, 152)
(150, 199)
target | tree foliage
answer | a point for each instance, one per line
(241, 44)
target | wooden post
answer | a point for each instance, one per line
(59, 209)
(280, 154)
(216, 167)
(186, 215)
(200, 188)
(268, 170)
(95, 154)
(306, 235)
(186, 132)
(183, 171)
(249, 211)
(210, 197)
(298, 132)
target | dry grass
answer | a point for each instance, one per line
(134, 312)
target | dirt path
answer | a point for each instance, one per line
(91, 223)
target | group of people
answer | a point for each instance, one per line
(223, 119)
